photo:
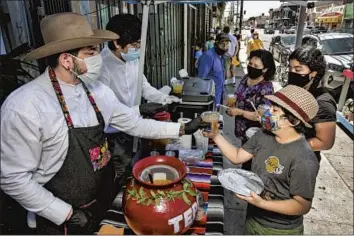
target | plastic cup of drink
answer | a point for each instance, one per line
(177, 87)
(214, 126)
(231, 100)
(212, 118)
(262, 108)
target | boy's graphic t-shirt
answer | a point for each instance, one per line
(287, 170)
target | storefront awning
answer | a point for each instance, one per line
(332, 17)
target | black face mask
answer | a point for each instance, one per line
(298, 80)
(220, 51)
(254, 73)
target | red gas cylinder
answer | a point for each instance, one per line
(168, 205)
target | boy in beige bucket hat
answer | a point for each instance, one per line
(55, 163)
(282, 158)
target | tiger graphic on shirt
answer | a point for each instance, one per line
(273, 165)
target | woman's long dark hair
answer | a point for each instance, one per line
(315, 61)
(268, 61)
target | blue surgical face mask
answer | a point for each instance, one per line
(132, 54)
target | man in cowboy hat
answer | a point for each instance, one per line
(283, 160)
(54, 155)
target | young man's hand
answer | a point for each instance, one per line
(254, 199)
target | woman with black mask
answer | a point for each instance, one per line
(252, 89)
(307, 70)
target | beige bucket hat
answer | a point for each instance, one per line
(298, 101)
(66, 31)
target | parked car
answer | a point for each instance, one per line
(319, 30)
(281, 46)
(291, 30)
(338, 50)
(343, 30)
(282, 29)
(306, 31)
(269, 31)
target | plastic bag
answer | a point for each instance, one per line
(191, 156)
(235, 62)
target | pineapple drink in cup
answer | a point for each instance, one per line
(231, 100)
(211, 117)
(177, 87)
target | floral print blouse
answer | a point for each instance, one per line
(245, 94)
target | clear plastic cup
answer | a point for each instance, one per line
(231, 100)
(262, 108)
(201, 141)
(177, 87)
(212, 118)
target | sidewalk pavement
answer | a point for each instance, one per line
(332, 207)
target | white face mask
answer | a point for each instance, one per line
(93, 65)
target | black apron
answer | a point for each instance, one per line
(121, 146)
(85, 179)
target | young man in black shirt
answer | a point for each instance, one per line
(307, 70)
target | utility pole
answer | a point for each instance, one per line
(231, 14)
(300, 26)
(237, 13)
(241, 15)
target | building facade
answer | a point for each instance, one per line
(286, 15)
(165, 40)
(331, 17)
(326, 13)
(262, 21)
(348, 19)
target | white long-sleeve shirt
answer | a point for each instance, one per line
(34, 137)
(122, 78)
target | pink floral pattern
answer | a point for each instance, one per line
(95, 153)
(100, 156)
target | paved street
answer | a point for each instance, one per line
(332, 208)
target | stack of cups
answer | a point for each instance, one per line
(201, 141)
(186, 140)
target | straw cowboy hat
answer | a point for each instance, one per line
(297, 101)
(66, 31)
